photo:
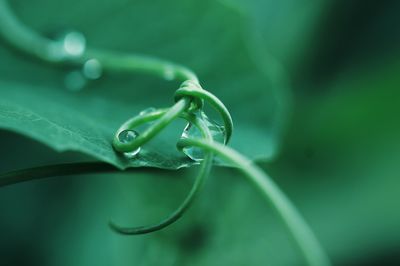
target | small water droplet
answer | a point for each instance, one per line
(169, 73)
(92, 69)
(127, 136)
(73, 43)
(148, 111)
(75, 81)
(190, 131)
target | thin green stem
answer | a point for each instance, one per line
(301, 232)
(35, 173)
(128, 63)
(30, 42)
(23, 38)
(164, 118)
(199, 181)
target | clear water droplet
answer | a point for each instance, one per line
(169, 73)
(75, 81)
(148, 111)
(190, 131)
(92, 69)
(127, 136)
(73, 43)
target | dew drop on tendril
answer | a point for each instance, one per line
(127, 136)
(190, 131)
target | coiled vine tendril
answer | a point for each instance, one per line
(189, 98)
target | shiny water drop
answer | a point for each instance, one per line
(127, 136)
(75, 81)
(169, 73)
(74, 44)
(92, 69)
(190, 131)
(148, 111)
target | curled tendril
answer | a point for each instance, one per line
(185, 96)
(189, 98)
(193, 90)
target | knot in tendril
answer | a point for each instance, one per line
(186, 90)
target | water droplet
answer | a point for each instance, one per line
(73, 44)
(127, 136)
(92, 69)
(169, 73)
(75, 81)
(148, 111)
(190, 131)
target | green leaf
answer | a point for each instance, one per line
(206, 36)
(70, 123)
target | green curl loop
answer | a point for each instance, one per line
(195, 91)
(189, 93)
(162, 118)
(189, 98)
(193, 85)
(199, 181)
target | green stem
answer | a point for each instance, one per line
(301, 232)
(30, 174)
(197, 185)
(45, 49)
(161, 118)
(128, 63)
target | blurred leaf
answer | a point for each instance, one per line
(81, 237)
(344, 151)
(282, 29)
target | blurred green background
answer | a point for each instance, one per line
(313, 88)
